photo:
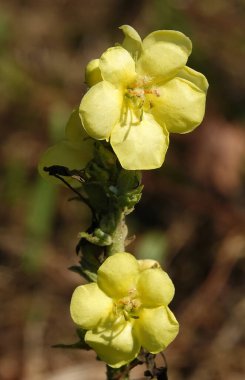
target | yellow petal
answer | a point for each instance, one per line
(93, 73)
(165, 52)
(156, 328)
(90, 306)
(116, 346)
(117, 276)
(117, 66)
(132, 41)
(75, 132)
(147, 264)
(65, 154)
(168, 36)
(100, 110)
(181, 105)
(155, 288)
(140, 146)
(195, 77)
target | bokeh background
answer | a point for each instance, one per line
(191, 217)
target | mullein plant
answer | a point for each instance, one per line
(138, 93)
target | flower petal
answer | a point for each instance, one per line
(93, 73)
(140, 146)
(165, 52)
(148, 264)
(100, 110)
(90, 306)
(194, 77)
(181, 105)
(156, 328)
(117, 66)
(118, 274)
(132, 41)
(168, 36)
(75, 132)
(155, 288)
(116, 346)
(65, 154)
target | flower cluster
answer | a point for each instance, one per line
(126, 309)
(141, 91)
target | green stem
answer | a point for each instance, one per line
(118, 245)
(118, 237)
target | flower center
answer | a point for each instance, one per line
(138, 98)
(140, 89)
(128, 306)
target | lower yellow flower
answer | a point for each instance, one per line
(126, 309)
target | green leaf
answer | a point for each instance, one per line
(85, 273)
(98, 237)
(97, 196)
(128, 180)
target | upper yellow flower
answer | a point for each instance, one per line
(140, 91)
(126, 309)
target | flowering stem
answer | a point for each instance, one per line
(118, 237)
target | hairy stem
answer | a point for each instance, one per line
(118, 237)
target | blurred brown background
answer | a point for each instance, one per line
(191, 217)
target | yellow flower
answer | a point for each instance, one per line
(126, 309)
(140, 91)
(74, 152)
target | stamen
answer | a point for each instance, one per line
(128, 305)
(137, 100)
(153, 91)
(139, 92)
